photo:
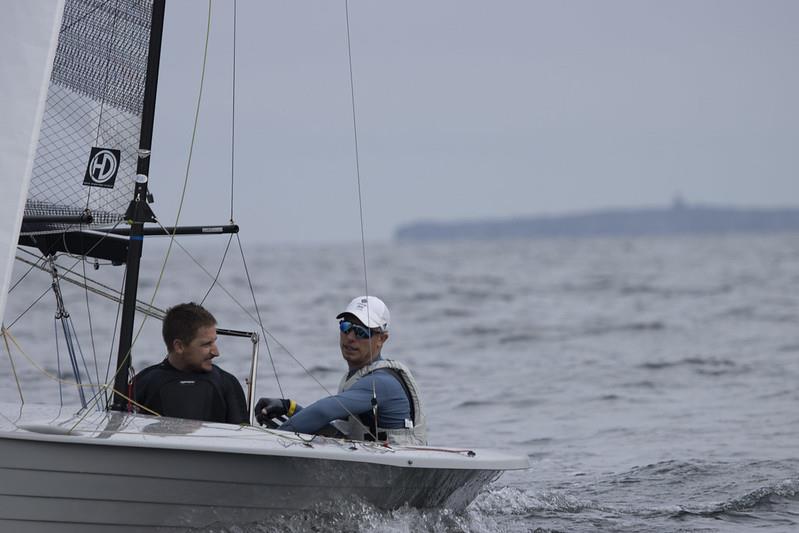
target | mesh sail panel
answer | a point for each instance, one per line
(92, 119)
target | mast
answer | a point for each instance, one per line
(138, 211)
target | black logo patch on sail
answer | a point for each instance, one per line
(102, 168)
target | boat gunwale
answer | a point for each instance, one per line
(249, 440)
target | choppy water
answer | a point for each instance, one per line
(654, 383)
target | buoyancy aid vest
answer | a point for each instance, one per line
(414, 432)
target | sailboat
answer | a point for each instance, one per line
(78, 99)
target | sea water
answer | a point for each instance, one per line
(652, 382)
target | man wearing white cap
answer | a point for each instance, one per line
(377, 399)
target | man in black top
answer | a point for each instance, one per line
(187, 384)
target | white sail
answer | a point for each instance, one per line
(28, 39)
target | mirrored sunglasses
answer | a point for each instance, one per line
(360, 331)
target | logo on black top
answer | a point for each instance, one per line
(102, 168)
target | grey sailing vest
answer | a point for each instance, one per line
(414, 432)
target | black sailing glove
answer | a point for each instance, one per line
(268, 408)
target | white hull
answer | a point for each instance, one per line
(140, 473)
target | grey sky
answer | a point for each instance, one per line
(471, 109)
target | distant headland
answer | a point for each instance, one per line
(678, 219)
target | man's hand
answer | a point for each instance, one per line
(268, 408)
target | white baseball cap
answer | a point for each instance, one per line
(370, 310)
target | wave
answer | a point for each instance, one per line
(323, 369)
(537, 441)
(604, 329)
(752, 313)
(511, 339)
(643, 384)
(701, 365)
(592, 330)
(764, 498)
(771, 496)
(680, 469)
(675, 291)
(460, 312)
(609, 397)
(470, 404)
(481, 330)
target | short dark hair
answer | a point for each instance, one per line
(182, 321)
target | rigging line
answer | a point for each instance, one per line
(358, 181)
(105, 291)
(74, 334)
(358, 169)
(357, 156)
(58, 362)
(95, 400)
(32, 266)
(29, 307)
(191, 153)
(44, 372)
(219, 270)
(71, 269)
(221, 286)
(63, 270)
(60, 276)
(134, 402)
(357, 166)
(194, 128)
(81, 256)
(64, 277)
(232, 189)
(207, 273)
(260, 322)
(92, 402)
(13, 367)
(62, 318)
(118, 299)
(79, 259)
(114, 333)
(233, 118)
(91, 329)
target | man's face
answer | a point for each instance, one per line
(356, 351)
(197, 355)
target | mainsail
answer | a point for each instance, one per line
(88, 148)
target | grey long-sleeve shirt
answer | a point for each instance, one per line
(393, 405)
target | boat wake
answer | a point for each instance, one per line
(361, 517)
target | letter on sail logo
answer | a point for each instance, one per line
(102, 168)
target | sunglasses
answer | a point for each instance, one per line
(360, 331)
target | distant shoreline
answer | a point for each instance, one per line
(679, 219)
